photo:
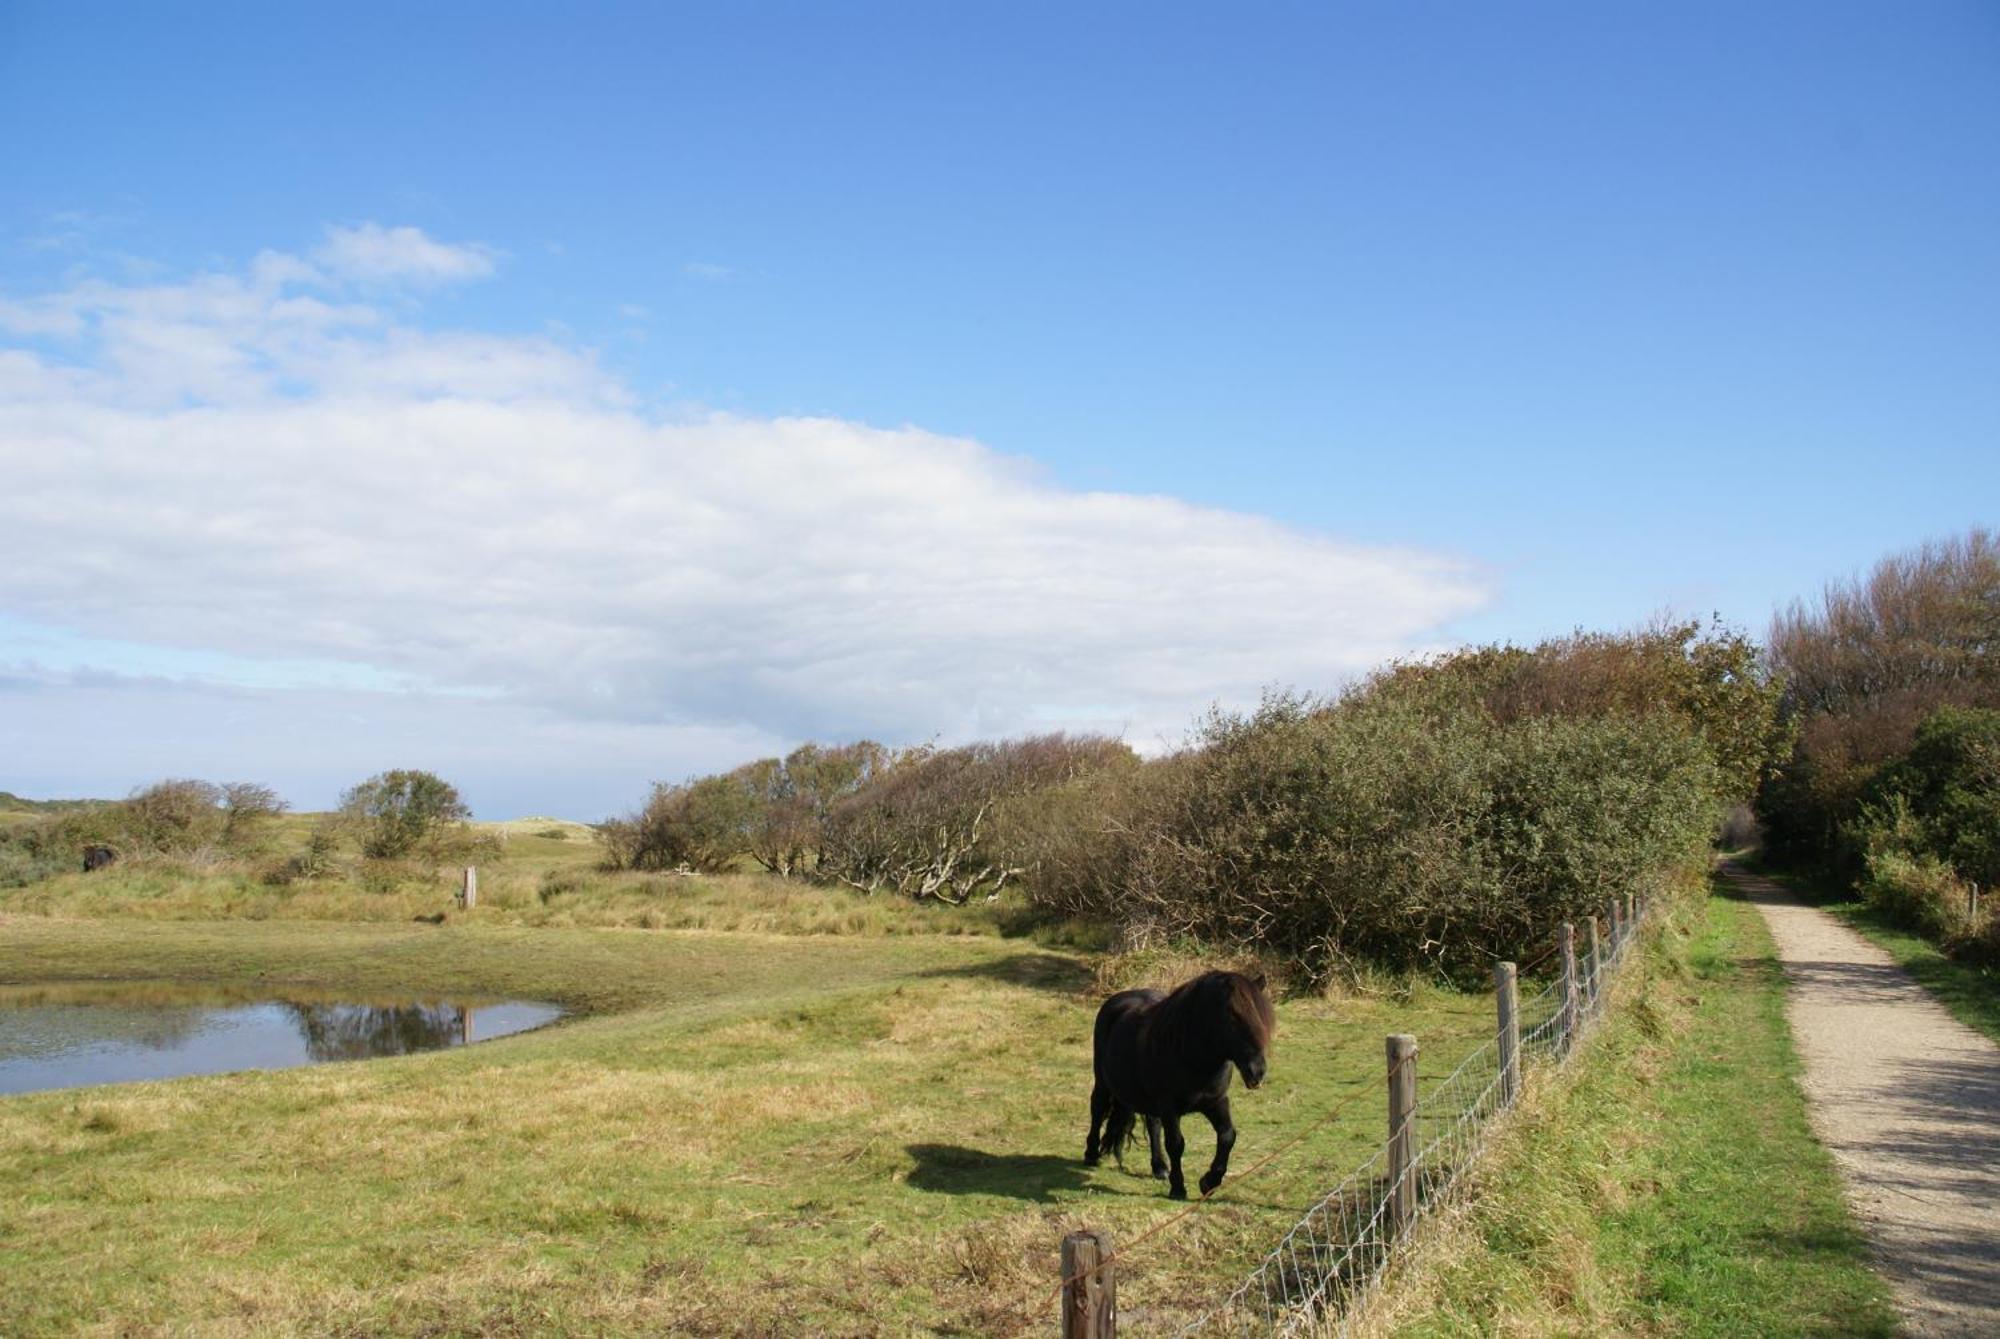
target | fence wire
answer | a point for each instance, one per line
(1315, 1279)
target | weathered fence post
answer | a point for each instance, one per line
(1617, 919)
(1569, 985)
(1972, 905)
(1596, 965)
(1507, 1006)
(468, 895)
(1402, 1132)
(1089, 1291)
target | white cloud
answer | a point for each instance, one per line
(236, 466)
(371, 253)
(701, 269)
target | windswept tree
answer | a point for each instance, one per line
(933, 826)
(772, 811)
(701, 825)
(245, 807)
(404, 813)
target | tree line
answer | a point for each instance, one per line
(1892, 786)
(1444, 812)
(392, 815)
(1440, 813)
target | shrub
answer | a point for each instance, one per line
(404, 813)
(1920, 892)
(1950, 783)
(1714, 679)
(558, 882)
(1389, 827)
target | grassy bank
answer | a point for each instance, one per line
(1669, 1185)
(741, 1134)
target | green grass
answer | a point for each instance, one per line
(738, 1133)
(532, 880)
(1671, 1186)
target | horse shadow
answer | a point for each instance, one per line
(1037, 971)
(950, 1169)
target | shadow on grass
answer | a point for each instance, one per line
(949, 1169)
(1037, 971)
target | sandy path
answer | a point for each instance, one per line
(1907, 1099)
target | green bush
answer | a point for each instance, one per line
(1389, 830)
(406, 813)
(1949, 783)
(1920, 892)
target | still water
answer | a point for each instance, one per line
(69, 1035)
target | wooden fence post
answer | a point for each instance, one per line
(468, 895)
(1089, 1291)
(1596, 965)
(1569, 984)
(1507, 1007)
(1402, 1206)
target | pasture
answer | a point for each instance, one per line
(833, 1114)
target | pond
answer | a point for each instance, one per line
(70, 1034)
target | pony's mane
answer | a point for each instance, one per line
(1247, 1001)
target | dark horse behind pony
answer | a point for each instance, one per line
(1161, 1056)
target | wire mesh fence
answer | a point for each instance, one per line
(1316, 1278)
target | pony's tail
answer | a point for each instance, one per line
(1118, 1131)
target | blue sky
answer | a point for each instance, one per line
(1465, 323)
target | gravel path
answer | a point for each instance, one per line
(1907, 1099)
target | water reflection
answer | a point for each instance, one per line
(359, 1031)
(72, 1033)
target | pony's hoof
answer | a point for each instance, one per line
(1159, 1173)
(1209, 1185)
(1177, 1193)
(1091, 1159)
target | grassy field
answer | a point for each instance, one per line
(1672, 1186)
(866, 1132)
(533, 872)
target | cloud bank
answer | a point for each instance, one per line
(262, 464)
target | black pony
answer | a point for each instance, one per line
(1161, 1056)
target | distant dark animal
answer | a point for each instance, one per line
(97, 857)
(1160, 1056)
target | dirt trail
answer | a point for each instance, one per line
(1907, 1099)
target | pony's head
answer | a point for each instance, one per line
(1242, 1020)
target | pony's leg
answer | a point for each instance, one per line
(1153, 1142)
(1176, 1185)
(1100, 1111)
(1225, 1139)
